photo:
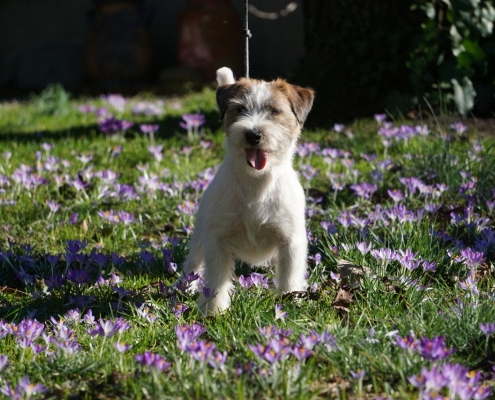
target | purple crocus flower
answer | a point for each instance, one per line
(147, 257)
(301, 353)
(116, 101)
(430, 266)
(470, 284)
(78, 276)
(179, 308)
(148, 108)
(364, 189)
(4, 360)
(153, 360)
(28, 328)
(363, 247)
(99, 259)
(359, 374)
(408, 259)
(149, 128)
(53, 259)
(53, 206)
(54, 281)
(271, 331)
(73, 219)
(384, 254)
(458, 127)
(110, 125)
(68, 347)
(201, 350)
(207, 292)
(89, 318)
(125, 217)
(488, 328)
(188, 207)
(309, 341)
(122, 347)
(380, 118)
(156, 152)
(472, 258)
(433, 349)
(272, 352)
(108, 328)
(245, 368)
(407, 343)
(109, 216)
(259, 280)
(75, 246)
(192, 121)
(279, 314)
(434, 379)
(244, 281)
(218, 360)
(396, 195)
(186, 334)
(26, 389)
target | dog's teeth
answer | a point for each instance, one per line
(225, 76)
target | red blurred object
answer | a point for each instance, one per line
(210, 37)
(119, 49)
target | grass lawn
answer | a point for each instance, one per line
(97, 204)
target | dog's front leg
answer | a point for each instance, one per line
(290, 268)
(218, 270)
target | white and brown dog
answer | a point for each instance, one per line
(254, 209)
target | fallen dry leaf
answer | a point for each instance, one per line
(343, 299)
(351, 273)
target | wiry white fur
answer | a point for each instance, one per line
(250, 215)
(225, 76)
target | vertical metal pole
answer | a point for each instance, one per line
(247, 35)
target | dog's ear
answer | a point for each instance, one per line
(224, 94)
(301, 100)
(226, 89)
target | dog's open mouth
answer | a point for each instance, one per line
(256, 158)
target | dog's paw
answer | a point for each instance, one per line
(213, 305)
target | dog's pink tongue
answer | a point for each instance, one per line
(256, 158)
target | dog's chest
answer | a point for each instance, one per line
(259, 223)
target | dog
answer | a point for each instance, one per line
(254, 209)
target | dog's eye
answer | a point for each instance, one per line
(274, 111)
(241, 109)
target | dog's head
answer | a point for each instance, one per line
(263, 120)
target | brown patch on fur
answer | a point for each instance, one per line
(226, 93)
(301, 99)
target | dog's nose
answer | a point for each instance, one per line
(253, 137)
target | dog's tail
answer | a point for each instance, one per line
(225, 76)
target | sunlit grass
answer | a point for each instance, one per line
(98, 224)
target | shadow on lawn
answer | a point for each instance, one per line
(39, 285)
(103, 299)
(169, 128)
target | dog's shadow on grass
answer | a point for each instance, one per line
(17, 304)
(169, 127)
